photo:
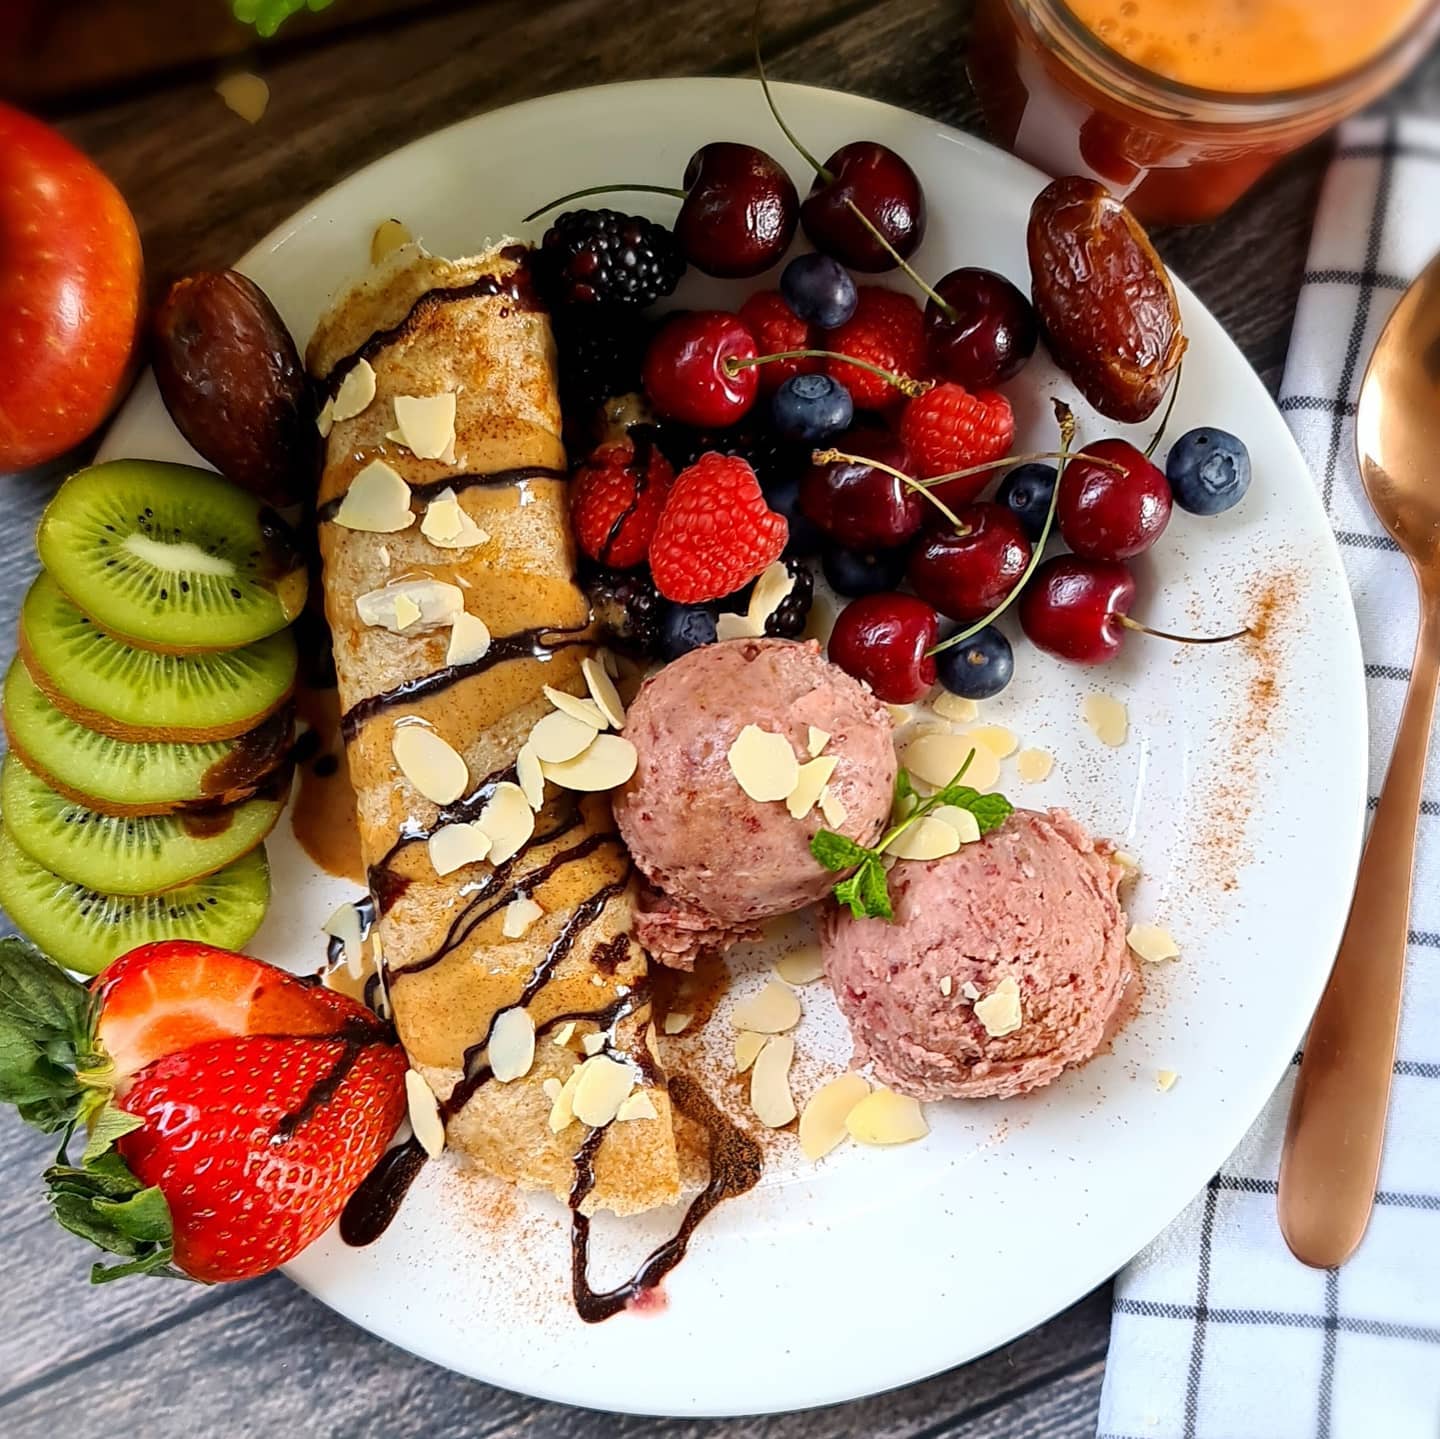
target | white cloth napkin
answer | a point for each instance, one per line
(1218, 1332)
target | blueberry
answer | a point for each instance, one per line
(684, 628)
(1026, 492)
(853, 573)
(783, 496)
(1208, 470)
(979, 667)
(819, 290)
(811, 408)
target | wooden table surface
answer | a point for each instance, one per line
(158, 1359)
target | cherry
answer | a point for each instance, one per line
(882, 639)
(979, 328)
(873, 179)
(1112, 511)
(740, 210)
(859, 505)
(966, 573)
(685, 372)
(1075, 607)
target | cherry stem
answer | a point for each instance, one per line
(1066, 421)
(1179, 639)
(604, 190)
(1020, 460)
(1169, 410)
(789, 134)
(831, 457)
(946, 308)
(733, 364)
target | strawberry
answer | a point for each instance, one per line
(888, 330)
(951, 429)
(256, 1142)
(715, 533)
(615, 500)
(248, 1102)
(777, 328)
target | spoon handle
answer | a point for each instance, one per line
(1331, 1158)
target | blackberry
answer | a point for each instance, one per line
(627, 604)
(601, 257)
(773, 458)
(788, 620)
(600, 353)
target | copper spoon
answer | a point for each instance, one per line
(1331, 1159)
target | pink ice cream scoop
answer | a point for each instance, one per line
(1035, 901)
(718, 862)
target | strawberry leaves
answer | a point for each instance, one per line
(103, 1202)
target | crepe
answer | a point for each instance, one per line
(429, 326)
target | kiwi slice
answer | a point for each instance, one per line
(137, 694)
(118, 777)
(171, 557)
(84, 929)
(134, 855)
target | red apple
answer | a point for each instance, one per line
(71, 282)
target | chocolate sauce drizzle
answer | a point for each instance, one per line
(524, 644)
(335, 946)
(517, 287)
(495, 479)
(735, 1166)
(376, 1201)
(353, 1038)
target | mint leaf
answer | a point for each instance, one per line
(848, 892)
(835, 851)
(866, 891)
(111, 1123)
(960, 795)
(990, 811)
(904, 789)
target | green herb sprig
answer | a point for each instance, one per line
(866, 890)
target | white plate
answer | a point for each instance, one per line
(1241, 789)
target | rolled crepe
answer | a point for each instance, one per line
(429, 326)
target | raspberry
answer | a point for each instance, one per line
(887, 329)
(777, 328)
(715, 532)
(616, 497)
(951, 429)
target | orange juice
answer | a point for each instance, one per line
(1181, 105)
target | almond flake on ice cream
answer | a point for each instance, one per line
(426, 424)
(1153, 944)
(508, 819)
(1034, 765)
(469, 639)
(801, 966)
(607, 764)
(432, 765)
(1107, 718)
(356, 392)
(831, 808)
(927, 838)
(946, 985)
(999, 1011)
(814, 776)
(960, 820)
(520, 914)
(770, 1095)
(822, 1121)
(970, 990)
(410, 605)
(453, 846)
(603, 1086)
(772, 1010)
(378, 501)
(817, 741)
(884, 1117)
(424, 1110)
(763, 764)
(748, 1045)
(511, 1050)
(447, 525)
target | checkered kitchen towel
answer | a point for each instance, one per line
(1218, 1332)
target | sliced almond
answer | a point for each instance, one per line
(447, 525)
(325, 420)
(345, 926)
(884, 1117)
(603, 691)
(551, 1088)
(603, 1087)
(593, 1043)
(927, 838)
(801, 966)
(520, 914)
(960, 820)
(999, 1011)
(954, 707)
(773, 1010)
(1001, 742)
(770, 1095)
(410, 606)
(730, 626)
(356, 392)
(822, 1121)
(814, 776)
(431, 764)
(946, 985)
(748, 1045)
(677, 1021)
(771, 590)
(426, 424)
(1107, 717)
(900, 714)
(970, 990)
(1034, 765)
(562, 1111)
(558, 736)
(937, 759)
(389, 236)
(246, 94)
(563, 1035)
(469, 640)
(424, 1110)
(831, 808)
(511, 1050)
(1165, 1079)
(763, 764)
(607, 764)
(817, 741)
(509, 821)
(378, 501)
(638, 1106)
(1153, 944)
(531, 776)
(1127, 862)
(581, 709)
(453, 846)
